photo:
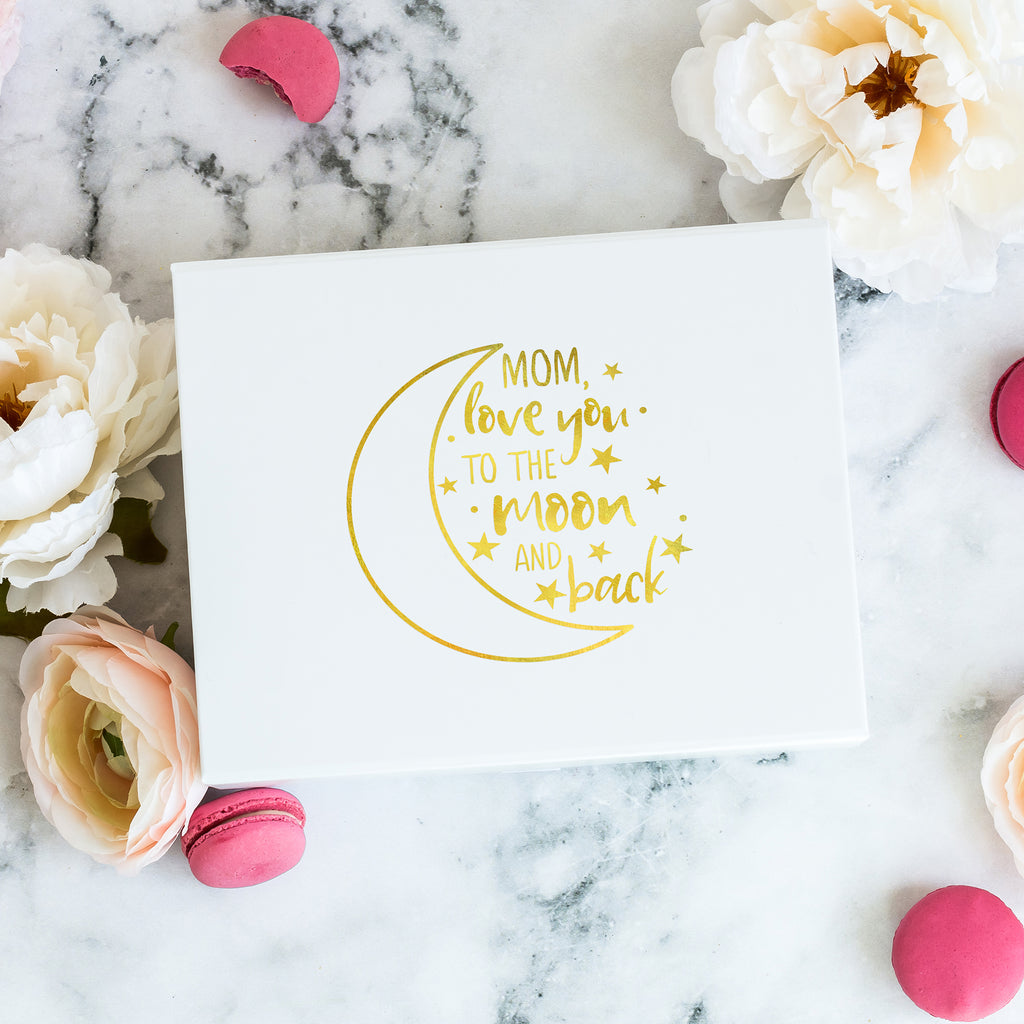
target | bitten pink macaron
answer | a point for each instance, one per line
(959, 953)
(291, 55)
(245, 838)
(1006, 411)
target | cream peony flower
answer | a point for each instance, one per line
(109, 737)
(1002, 779)
(901, 124)
(88, 397)
(10, 33)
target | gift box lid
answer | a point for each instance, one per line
(517, 504)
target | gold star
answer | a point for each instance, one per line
(549, 593)
(598, 551)
(448, 485)
(604, 459)
(674, 547)
(482, 547)
(655, 484)
(611, 370)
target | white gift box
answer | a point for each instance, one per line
(517, 504)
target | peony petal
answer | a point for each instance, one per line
(92, 581)
(44, 461)
(727, 19)
(748, 109)
(49, 350)
(63, 395)
(855, 63)
(1004, 20)
(806, 68)
(775, 139)
(895, 156)
(990, 185)
(956, 123)
(900, 36)
(746, 202)
(155, 431)
(940, 40)
(938, 151)
(9, 353)
(693, 97)
(993, 200)
(797, 203)
(142, 484)
(962, 257)
(773, 114)
(934, 86)
(156, 357)
(114, 372)
(859, 20)
(43, 543)
(990, 152)
(856, 128)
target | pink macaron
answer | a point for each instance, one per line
(1006, 411)
(245, 838)
(959, 953)
(292, 56)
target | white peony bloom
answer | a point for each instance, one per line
(901, 124)
(88, 397)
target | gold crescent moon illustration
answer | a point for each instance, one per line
(405, 551)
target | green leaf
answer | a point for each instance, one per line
(168, 638)
(27, 625)
(114, 743)
(133, 523)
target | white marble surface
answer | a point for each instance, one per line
(730, 891)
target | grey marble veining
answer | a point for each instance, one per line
(712, 891)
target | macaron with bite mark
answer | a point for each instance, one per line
(245, 838)
(293, 57)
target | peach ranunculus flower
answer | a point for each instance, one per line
(1002, 779)
(900, 123)
(109, 737)
(10, 34)
(88, 398)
